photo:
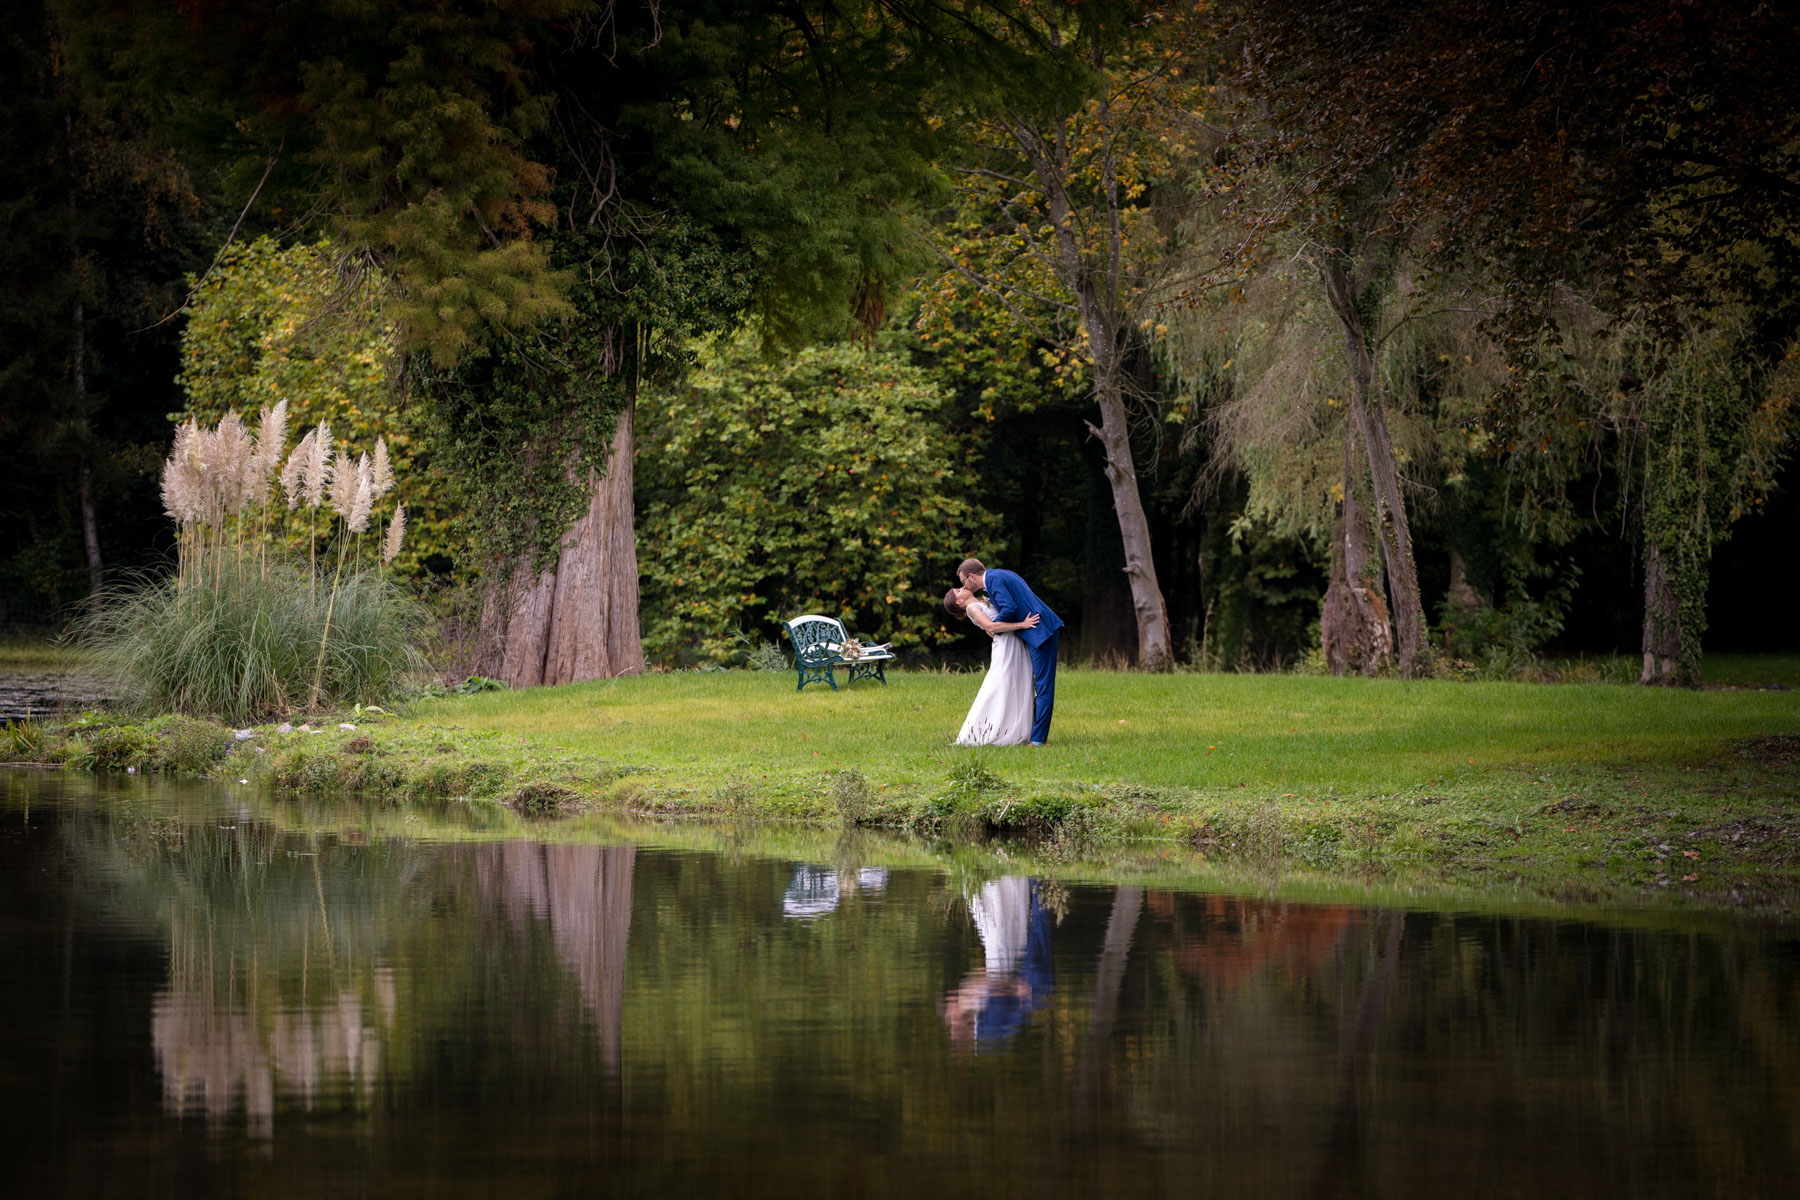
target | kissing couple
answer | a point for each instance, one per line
(1018, 693)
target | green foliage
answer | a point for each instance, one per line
(827, 483)
(248, 643)
(272, 323)
(188, 747)
(400, 127)
(524, 428)
(22, 742)
(111, 748)
(1263, 595)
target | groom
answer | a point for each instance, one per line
(1014, 601)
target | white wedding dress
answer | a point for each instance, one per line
(1005, 705)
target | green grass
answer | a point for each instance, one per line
(1212, 733)
(1751, 670)
(257, 640)
(1588, 792)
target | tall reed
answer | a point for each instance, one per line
(248, 647)
(239, 632)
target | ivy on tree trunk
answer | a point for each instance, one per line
(576, 619)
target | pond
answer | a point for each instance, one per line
(202, 998)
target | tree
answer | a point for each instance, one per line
(1646, 153)
(97, 226)
(522, 173)
(269, 324)
(1056, 225)
(819, 484)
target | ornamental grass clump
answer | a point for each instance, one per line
(239, 632)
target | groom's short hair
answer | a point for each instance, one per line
(970, 566)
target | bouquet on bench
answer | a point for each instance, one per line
(854, 649)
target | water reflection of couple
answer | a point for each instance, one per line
(1015, 979)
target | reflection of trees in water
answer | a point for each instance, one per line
(1393, 1053)
(1240, 938)
(584, 893)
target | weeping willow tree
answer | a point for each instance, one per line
(1694, 420)
(1276, 399)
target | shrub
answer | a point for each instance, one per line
(829, 482)
(188, 747)
(113, 748)
(249, 642)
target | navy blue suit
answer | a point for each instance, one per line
(1014, 601)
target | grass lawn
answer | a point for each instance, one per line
(1270, 735)
(1585, 791)
(1751, 670)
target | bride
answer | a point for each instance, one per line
(1004, 707)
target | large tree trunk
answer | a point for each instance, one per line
(579, 619)
(1370, 426)
(1663, 664)
(1353, 622)
(585, 893)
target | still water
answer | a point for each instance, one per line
(197, 999)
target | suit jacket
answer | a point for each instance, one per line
(1014, 601)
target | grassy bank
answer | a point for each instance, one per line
(1568, 790)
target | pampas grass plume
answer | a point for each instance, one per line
(231, 465)
(271, 441)
(341, 490)
(396, 534)
(293, 476)
(383, 481)
(318, 465)
(183, 479)
(363, 499)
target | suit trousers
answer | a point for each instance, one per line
(1043, 686)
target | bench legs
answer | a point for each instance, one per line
(816, 673)
(824, 673)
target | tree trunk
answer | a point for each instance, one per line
(585, 893)
(1353, 622)
(1094, 281)
(1154, 652)
(84, 477)
(90, 530)
(578, 619)
(1370, 425)
(1663, 665)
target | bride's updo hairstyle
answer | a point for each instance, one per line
(953, 607)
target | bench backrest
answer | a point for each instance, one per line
(813, 630)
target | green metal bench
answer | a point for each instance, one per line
(819, 651)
